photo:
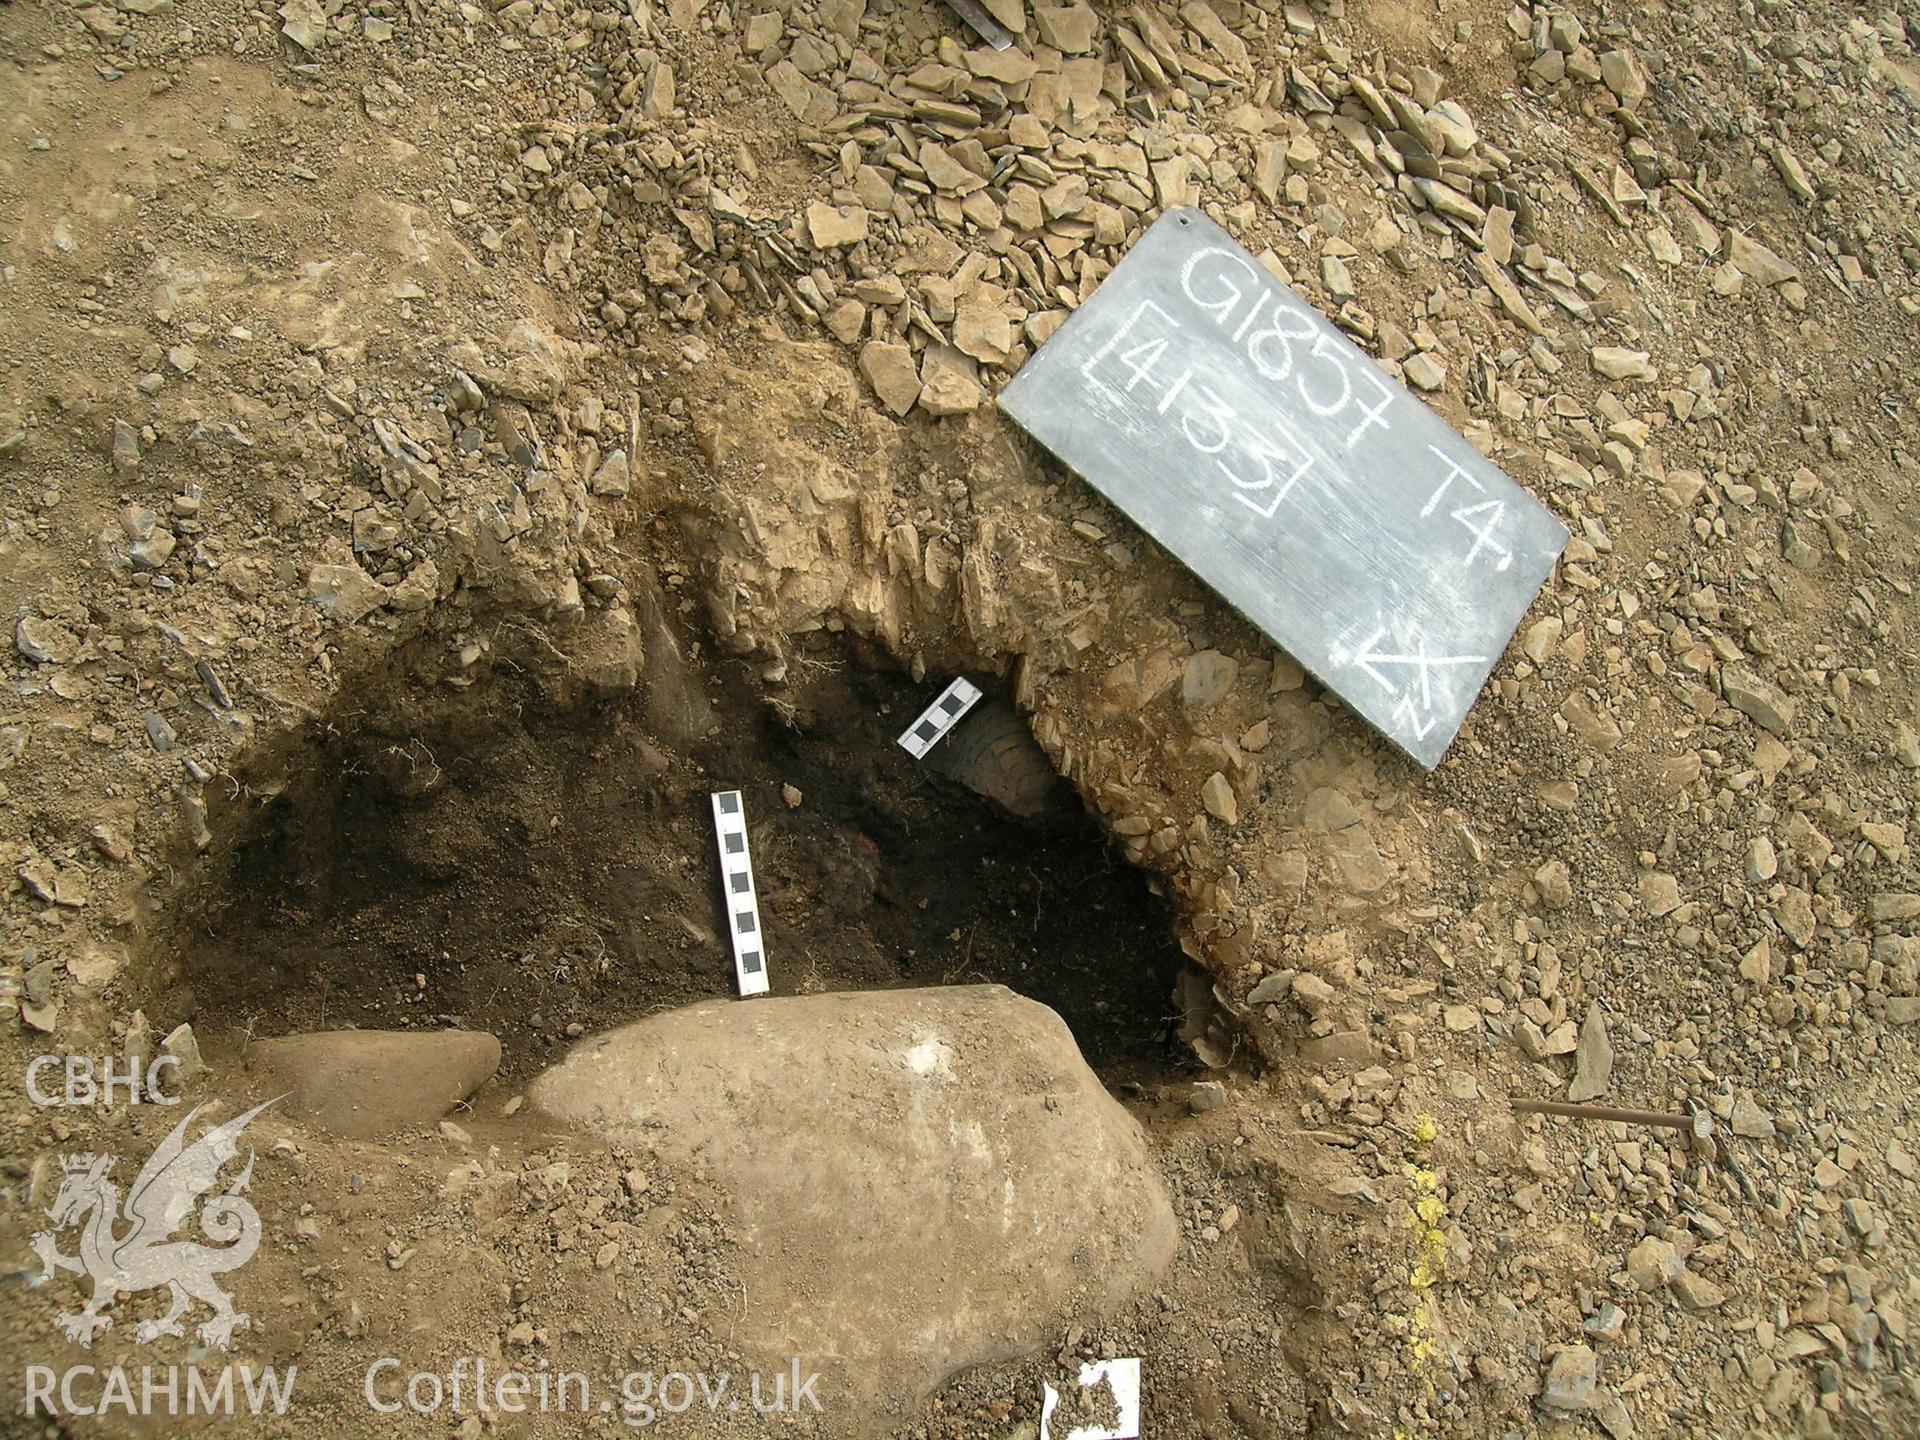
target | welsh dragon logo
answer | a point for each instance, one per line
(145, 1255)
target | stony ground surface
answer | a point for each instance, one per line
(370, 365)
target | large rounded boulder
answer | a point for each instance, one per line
(925, 1179)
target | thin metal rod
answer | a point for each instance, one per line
(1603, 1112)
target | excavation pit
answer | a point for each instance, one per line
(480, 858)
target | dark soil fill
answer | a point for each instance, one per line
(471, 857)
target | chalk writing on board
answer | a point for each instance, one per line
(1222, 292)
(1268, 453)
(1130, 359)
(1374, 661)
(1481, 518)
(1398, 660)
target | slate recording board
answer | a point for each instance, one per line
(1313, 492)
